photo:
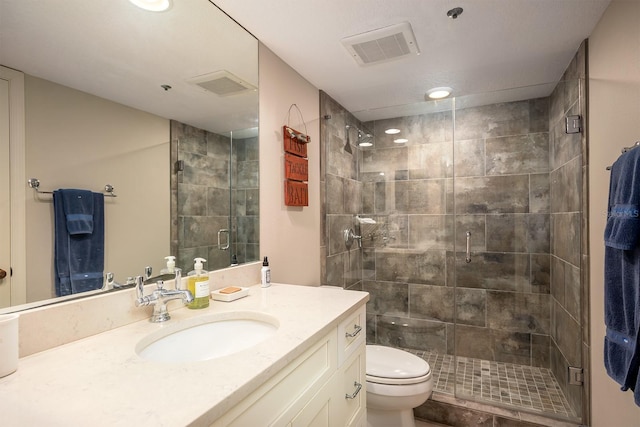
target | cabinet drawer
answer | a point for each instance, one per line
(354, 387)
(351, 334)
(342, 401)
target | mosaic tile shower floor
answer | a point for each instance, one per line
(525, 387)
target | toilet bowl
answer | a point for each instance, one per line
(397, 382)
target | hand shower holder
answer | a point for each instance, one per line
(350, 236)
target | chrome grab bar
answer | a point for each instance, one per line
(468, 257)
(353, 395)
(226, 245)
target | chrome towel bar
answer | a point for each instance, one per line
(35, 184)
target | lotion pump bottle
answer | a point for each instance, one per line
(198, 285)
(265, 274)
(171, 265)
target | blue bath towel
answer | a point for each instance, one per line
(622, 274)
(623, 216)
(79, 258)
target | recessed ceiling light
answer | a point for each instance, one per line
(400, 140)
(392, 131)
(152, 5)
(365, 144)
(439, 92)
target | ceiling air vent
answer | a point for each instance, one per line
(222, 83)
(383, 44)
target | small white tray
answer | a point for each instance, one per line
(216, 295)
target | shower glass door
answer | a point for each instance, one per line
(472, 250)
(517, 220)
(215, 210)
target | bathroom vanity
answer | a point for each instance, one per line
(310, 371)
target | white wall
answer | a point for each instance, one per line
(614, 122)
(77, 140)
(289, 236)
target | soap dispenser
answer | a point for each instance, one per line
(171, 265)
(198, 285)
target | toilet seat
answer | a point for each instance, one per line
(387, 365)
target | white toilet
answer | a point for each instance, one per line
(397, 382)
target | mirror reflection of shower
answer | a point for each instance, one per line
(365, 139)
(347, 144)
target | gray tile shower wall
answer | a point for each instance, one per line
(569, 248)
(341, 196)
(408, 261)
(502, 304)
(519, 185)
(205, 175)
(245, 200)
(201, 199)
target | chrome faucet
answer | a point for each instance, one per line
(159, 297)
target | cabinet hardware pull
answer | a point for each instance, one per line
(356, 331)
(358, 387)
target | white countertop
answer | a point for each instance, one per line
(100, 380)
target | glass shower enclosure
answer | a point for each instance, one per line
(471, 249)
(517, 279)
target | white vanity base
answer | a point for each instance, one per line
(302, 373)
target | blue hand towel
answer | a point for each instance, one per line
(622, 274)
(79, 258)
(623, 217)
(78, 209)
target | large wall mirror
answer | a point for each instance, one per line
(163, 106)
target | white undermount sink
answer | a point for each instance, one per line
(207, 337)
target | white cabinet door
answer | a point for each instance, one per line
(354, 387)
(319, 411)
(276, 402)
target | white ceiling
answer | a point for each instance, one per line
(111, 49)
(493, 45)
(117, 51)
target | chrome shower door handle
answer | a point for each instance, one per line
(227, 244)
(468, 257)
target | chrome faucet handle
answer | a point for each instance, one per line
(140, 291)
(147, 272)
(178, 280)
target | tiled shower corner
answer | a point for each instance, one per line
(527, 387)
(517, 311)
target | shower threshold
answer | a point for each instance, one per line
(519, 387)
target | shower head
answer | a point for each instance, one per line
(347, 145)
(364, 139)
